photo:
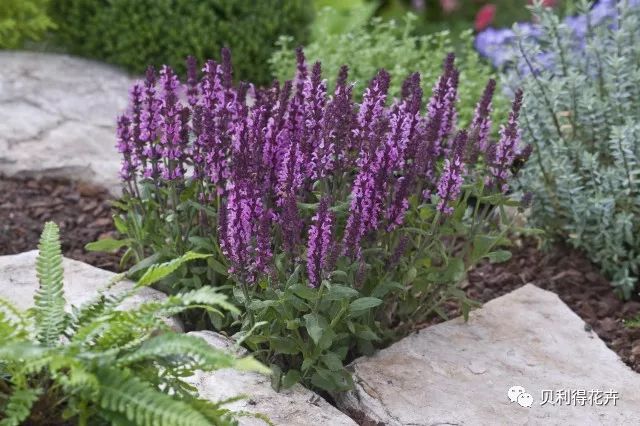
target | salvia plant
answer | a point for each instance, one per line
(336, 226)
(96, 364)
(581, 116)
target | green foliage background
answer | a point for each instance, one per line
(394, 46)
(21, 20)
(137, 33)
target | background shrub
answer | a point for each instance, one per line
(394, 46)
(22, 19)
(582, 114)
(137, 33)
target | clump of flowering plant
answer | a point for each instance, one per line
(336, 226)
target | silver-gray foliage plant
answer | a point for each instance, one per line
(582, 115)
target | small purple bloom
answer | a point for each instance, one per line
(319, 243)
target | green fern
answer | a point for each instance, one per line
(100, 364)
(49, 298)
(19, 406)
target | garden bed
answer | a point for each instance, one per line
(82, 211)
(84, 215)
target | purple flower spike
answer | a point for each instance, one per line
(192, 80)
(149, 124)
(319, 243)
(371, 112)
(171, 126)
(481, 123)
(136, 108)
(451, 179)
(339, 120)
(505, 150)
(126, 148)
(317, 156)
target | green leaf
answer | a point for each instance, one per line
(332, 361)
(341, 292)
(217, 266)
(499, 256)
(120, 224)
(385, 287)
(363, 304)
(157, 272)
(144, 264)
(290, 378)
(284, 345)
(316, 324)
(304, 292)
(107, 245)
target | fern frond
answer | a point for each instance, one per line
(157, 272)
(13, 323)
(120, 392)
(73, 375)
(19, 406)
(190, 352)
(49, 298)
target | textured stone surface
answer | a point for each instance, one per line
(82, 282)
(57, 117)
(459, 374)
(294, 407)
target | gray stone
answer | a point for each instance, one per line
(297, 406)
(459, 373)
(18, 283)
(58, 115)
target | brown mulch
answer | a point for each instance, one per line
(568, 273)
(82, 212)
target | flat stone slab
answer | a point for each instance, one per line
(58, 117)
(458, 373)
(297, 406)
(82, 282)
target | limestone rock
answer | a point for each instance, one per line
(297, 406)
(18, 283)
(58, 116)
(459, 373)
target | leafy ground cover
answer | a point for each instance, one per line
(560, 268)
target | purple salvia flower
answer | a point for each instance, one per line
(292, 167)
(242, 231)
(291, 225)
(227, 68)
(126, 148)
(399, 251)
(192, 81)
(136, 108)
(371, 112)
(452, 176)
(504, 152)
(316, 154)
(270, 153)
(319, 243)
(340, 118)
(481, 123)
(441, 107)
(149, 123)
(172, 126)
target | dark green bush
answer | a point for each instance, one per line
(135, 33)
